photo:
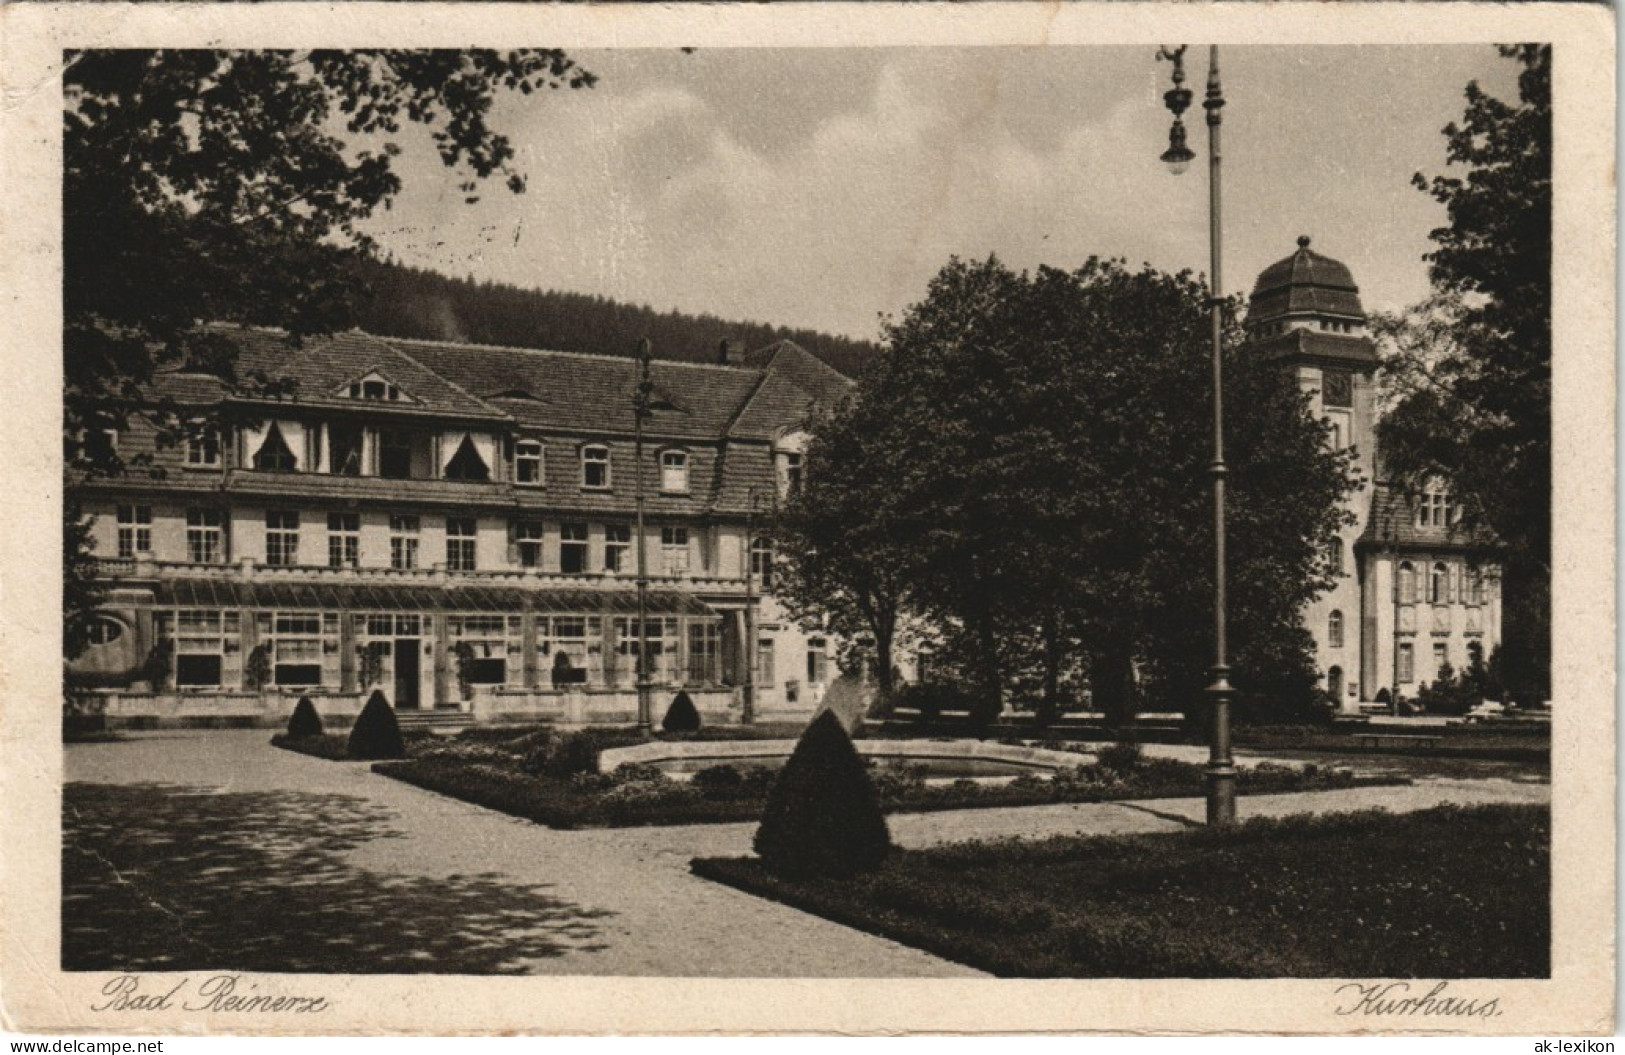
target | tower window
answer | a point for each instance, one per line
(1337, 389)
(1334, 630)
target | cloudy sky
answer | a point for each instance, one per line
(824, 187)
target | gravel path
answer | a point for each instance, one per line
(489, 893)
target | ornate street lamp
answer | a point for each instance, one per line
(640, 410)
(1221, 769)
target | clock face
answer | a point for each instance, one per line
(1337, 389)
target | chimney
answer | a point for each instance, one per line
(730, 352)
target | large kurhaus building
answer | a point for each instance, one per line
(454, 525)
(1415, 590)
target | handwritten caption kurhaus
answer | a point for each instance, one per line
(1394, 1000)
(219, 992)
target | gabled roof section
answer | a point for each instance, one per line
(323, 367)
(593, 393)
(355, 387)
(814, 376)
(1393, 522)
(778, 403)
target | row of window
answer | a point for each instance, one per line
(1405, 658)
(205, 542)
(1465, 586)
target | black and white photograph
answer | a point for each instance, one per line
(906, 505)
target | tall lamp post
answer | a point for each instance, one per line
(1221, 769)
(640, 410)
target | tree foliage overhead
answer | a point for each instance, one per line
(1026, 471)
(228, 186)
(1470, 372)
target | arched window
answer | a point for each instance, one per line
(1334, 630)
(1407, 583)
(1334, 684)
(674, 472)
(1439, 585)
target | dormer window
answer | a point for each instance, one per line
(1434, 509)
(595, 468)
(527, 463)
(203, 450)
(375, 387)
(674, 472)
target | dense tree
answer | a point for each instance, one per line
(1032, 458)
(228, 186)
(1472, 368)
(410, 302)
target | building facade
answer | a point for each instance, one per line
(1415, 589)
(454, 525)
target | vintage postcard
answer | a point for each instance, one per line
(858, 518)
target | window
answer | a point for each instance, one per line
(572, 548)
(1477, 586)
(704, 653)
(403, 542)
(466, 463)
(662, 653)
(617, 548)
(1334, 556)
(674, 549)
(281, 537)
(374, 388)
(1337, 435)
(528, 537)
(1407, 583)
(345, 444)
(1439, 585)
(459, 543)
(792, 472)
(274, 454)
(766, 669)
(203, 450)
(1434, 509)
(134, 530)
(527, 463)
(104, 631)
(1407, 663)
(1334, 630)
(1441, 657)
(761, 561)
(204, 536)
(205, 648)
(570, 649)
(483, 644)
(343, 540)
(304, 647)
(674, 471)
(394, 454)
(817, 660)
(595, 468)
(1337, 389)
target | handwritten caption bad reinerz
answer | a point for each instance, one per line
(220, 992)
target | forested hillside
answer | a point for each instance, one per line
(409, 302)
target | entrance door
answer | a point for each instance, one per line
(406, 673)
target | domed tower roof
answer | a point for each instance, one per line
(1305, 283)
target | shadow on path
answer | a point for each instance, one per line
(165, 877)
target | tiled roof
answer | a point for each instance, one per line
(1315, 344)
(1305, 282)
(778, 403)
(572, 392)
(1393, 523)
(322, 366)
(814, 376)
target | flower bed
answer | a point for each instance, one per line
(1343, 895)
(552, 779)
(335, 746)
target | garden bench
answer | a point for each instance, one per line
(1395, 740)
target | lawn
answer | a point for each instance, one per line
(1449, 892)
(552, 779)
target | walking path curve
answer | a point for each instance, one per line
(265, 857)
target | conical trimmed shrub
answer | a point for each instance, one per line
(305, 720)
(376, 734)
(823, 817)
(682, 716)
